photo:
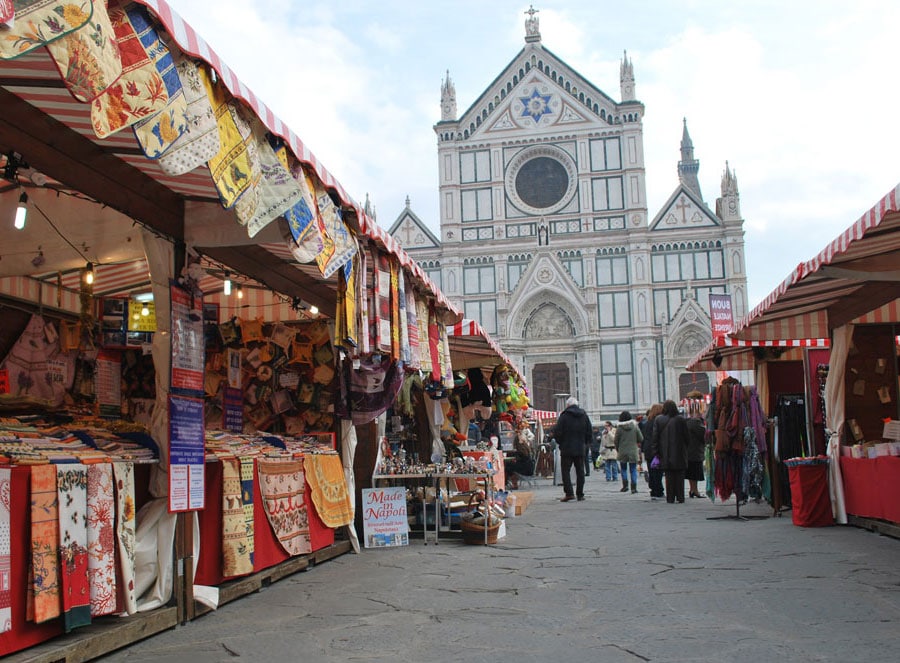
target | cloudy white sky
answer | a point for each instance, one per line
(799, 97)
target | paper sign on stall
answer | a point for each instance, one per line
(384, 517)
(187, 453)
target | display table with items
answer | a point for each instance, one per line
(872, 487)
(268, 498)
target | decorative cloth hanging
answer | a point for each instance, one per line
(302, 219)
(248, 475)
(5, 552)
(125, 537)
(347, 318)
(101, 540)
(45, 543)
(403, 321)
(281, 484)
(39, 22)
(395, 307)
(328, 488)
(235, 549)
(369, 390)
(338, 243)
(366, 302)
(382, 309)
(235, 167)
(71, 485)
(424, 345)
(412, 325)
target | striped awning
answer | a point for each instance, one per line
(472, 347)
(855, 279)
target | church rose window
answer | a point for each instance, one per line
(541, 179)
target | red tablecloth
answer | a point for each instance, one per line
(872, 487)
(267, 551)
(810, 502)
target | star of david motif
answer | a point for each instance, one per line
(536, 106)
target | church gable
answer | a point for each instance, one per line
(412, 233)
(684, 211)
(689, 331)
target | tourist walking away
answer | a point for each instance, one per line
(627, 441)
(610, 457)
(655, 419)
(573, 433)
(672, 449)
(696, 448)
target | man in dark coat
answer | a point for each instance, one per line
(673, 447)
(573, 434)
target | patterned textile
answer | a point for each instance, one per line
(395, 307)
(125, 536)
(370, 389)
(39, 22)
(34, 364)
(235, 550)
(338, 244)
(7, 11)
(276, 193)
(141, 90)
(71, 485)
(45, 542)
(101, 539)
(200, 141)
(328, 488)
(301, 218)
(235, 167)
(424, 345)
(412, 327)
(282, 485)
(447, 363)
(382, 308)
(403, 320)
(248, 476)
(435, 349)
(364, 278)
(87, 59)
(5, 558)
(346, 329)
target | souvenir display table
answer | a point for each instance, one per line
(495, 456)
(872, 487)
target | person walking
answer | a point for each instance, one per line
(610, 457)
(573, 432)
(673, 448)
(627, 440)
(695, 451)
(655, 420)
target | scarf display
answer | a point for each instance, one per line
(101, 540)
(71, 485)
(364, 283)
(369, 390)
(44, 543)
(328, 488)
(39, 23)
(5, 558)
(412, 326)
(235, 166)
(347, 321)
(125, 537)
(248, 473)
(281, 484)
(382, 309)
(307, 239)
(424, 345)
(338, 244)
(235, 550)
(395, 308)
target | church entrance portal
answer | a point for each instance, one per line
(547, 380)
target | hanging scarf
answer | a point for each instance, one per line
(382, 303)
(101, 540)
(412, 325)
(71, 484)
(248, 473)
(125, 536)
(45, 543)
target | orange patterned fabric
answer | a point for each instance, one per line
(45, 543)
(329, 489)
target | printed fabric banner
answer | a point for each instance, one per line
(39, 22)
(339, 245)
(235, 167)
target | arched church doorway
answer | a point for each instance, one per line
(546, 381)
(553, 329)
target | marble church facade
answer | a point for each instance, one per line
(545, 237)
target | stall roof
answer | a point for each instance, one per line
(854, 279)
(472, 347)
(52, 131)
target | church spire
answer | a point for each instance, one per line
(532, 25)
(448, 100)
(728, 207)
(626, 78)
(688, 166)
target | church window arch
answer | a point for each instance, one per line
(491, 107)
(581, 97)
(589, 102)
(602, 113)
(515, 80)
(466, 133)
(509, 87)
(478, 121)
(568, 86)
(521, 73)
(736, 262)
(642, 308)
(503, 94)
(484, 114)
(527, 66)
(516, 266)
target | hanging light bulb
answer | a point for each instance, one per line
(226, 287)
(145, 310)
(21, 211)
(314, 310)
(89, 273)
(240, 292)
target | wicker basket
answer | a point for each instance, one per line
(473, 533)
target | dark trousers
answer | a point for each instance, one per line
(655, 479)
(566, 466)
(674, 485)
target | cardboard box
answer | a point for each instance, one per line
(523, 499)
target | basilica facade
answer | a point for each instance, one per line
(546, 238)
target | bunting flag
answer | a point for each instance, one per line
(71, 485)
(235, 167)
(87, 59)
(200, 141)
(101, 539)
(45, 543)
(338, 244)
(282, 484)
(328, 489)
(412, 326)
(248, 474)
(141, 89)
(235, 549)
(39, 22)
(125, 537)
(5, 552)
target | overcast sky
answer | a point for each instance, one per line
(800, 97)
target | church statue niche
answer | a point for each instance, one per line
(547, 322)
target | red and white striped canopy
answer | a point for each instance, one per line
(472, 347)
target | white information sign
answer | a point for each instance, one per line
(384, 517)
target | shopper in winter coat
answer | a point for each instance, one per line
(608, 453)
(672, 448)
(573, 433)
(628, 437)
(655, 420)
(696, 448)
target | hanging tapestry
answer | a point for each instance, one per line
(369, 390)
(235, 167)
(306, 238)
(382, 302)
(403, 320)
(247, 476)
(395, 307)
(87, 59)
(45, 543)
(125, 536)
(5, 552)
(346, 326)
(141, 90)
(338, 243)
(412, 325)
(363, 294)
(37, 368)
(276, 192)
(39, 22)
(200, 141)
(235, 550)
(71, 484)
(281, 484)
(328, 488)
(424, 345)
(101, 540)
(435, 349)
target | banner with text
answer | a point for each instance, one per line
(721, 314)
(384, 517)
